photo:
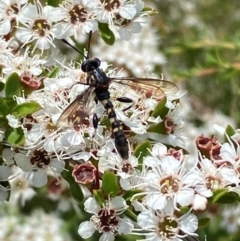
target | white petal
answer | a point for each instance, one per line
(39, 178)
(124, 34)
(156, 201)
(5, 172)
(145, 220)
(185, 196)
(189, 223)
(91, 205)
(118, 203)
(86, 229)
(136, 27)
(125, 226)
(5, 27)
(107, 237)
(23, 162)
(24, 35)
(128, 12)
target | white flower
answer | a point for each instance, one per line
(22, 64)
(161, 225)
(38, 25)
(78, 19)
(168, 182)
(107, 10)
(36, 164)
(126, 169)
(106, 219)
(9, 11)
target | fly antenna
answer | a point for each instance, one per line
(66, 42)
(89, 40)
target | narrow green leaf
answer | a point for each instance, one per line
(203, 222)
(53, 73)
(129, 194)
(106, 33)
(131, 215)
(230, 131)
(3, 121)
(15, 136)
(229, 197)
(142, 151)
(99, 197)
(4, 109)
(13, 86)
(26, 108)
(109, 183)
(75, 188)
(217, 195)
(157, 128)
(160, 110)
(2, 85)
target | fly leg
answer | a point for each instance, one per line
(125, 100)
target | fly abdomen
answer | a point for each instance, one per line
(121, 142)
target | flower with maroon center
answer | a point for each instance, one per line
(78, 18)
(84, 173)
(165, 225)
(106, 219)
(39, 25)
(168, 181)
(36, 163)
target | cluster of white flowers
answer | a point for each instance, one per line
(40, 25)
(37, 226)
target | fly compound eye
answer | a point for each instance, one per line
(90, 64)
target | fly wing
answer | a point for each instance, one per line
(155, 88)
(76, 113)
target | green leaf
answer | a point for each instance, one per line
(142, 150)
(4, 109)
(203, 222)
(75, 188)
(2, 85)
(53, 73)
(109, 183)
(26, 109)
(15, 136)
(54, 3)
(129, 194)
(229, 197)
(13, 86)
(99, 197)
(223, 196)
(230, 131)
(157, 128)
(106, 33)
(3, 121)
(161, 110)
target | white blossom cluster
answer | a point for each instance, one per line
(40, 25)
